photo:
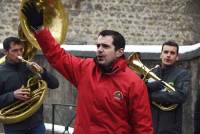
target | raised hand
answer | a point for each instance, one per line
(33, 15)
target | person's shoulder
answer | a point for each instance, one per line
(87, 62)
(130, 71)
(132, 74)
(89, 59)
(2, 66)
(3, 70)
(183, 72)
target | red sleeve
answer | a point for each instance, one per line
(65, 63)
(141, 118)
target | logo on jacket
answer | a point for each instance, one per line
(118, 95)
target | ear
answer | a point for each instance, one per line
(5, 52)
(161, 56)
(177, 57)
(120, 52)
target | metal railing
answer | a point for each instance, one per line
(68, 122)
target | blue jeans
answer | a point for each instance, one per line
(39, 129)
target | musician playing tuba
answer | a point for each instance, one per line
(14, 76)
(168, 121)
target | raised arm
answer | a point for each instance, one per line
(65, 63)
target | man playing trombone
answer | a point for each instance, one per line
(167, 99)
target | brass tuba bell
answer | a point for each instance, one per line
(136, 65)
(56, 20)
(29, 49)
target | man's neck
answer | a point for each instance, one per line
(106, 68)
(11, 61)
(166, 67)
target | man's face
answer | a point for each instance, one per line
(15, 51)
(106, 53)
(169, 55)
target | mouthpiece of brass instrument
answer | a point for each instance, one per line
(22, 59)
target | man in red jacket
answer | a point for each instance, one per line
(111, 99)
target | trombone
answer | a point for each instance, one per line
(136, 65)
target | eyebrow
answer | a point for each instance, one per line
(17, 49)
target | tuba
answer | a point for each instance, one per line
(56, 20)
(136, 65)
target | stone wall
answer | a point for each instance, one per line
(141, 21)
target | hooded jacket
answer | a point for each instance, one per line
(107, 103)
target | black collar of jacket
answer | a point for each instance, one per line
(12, 64)
(120, 63)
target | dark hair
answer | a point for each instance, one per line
(171, 43)
(8, 41)
(118, 39)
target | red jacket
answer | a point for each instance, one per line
(112, 103)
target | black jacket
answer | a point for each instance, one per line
(12, 77)
(169, 122)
